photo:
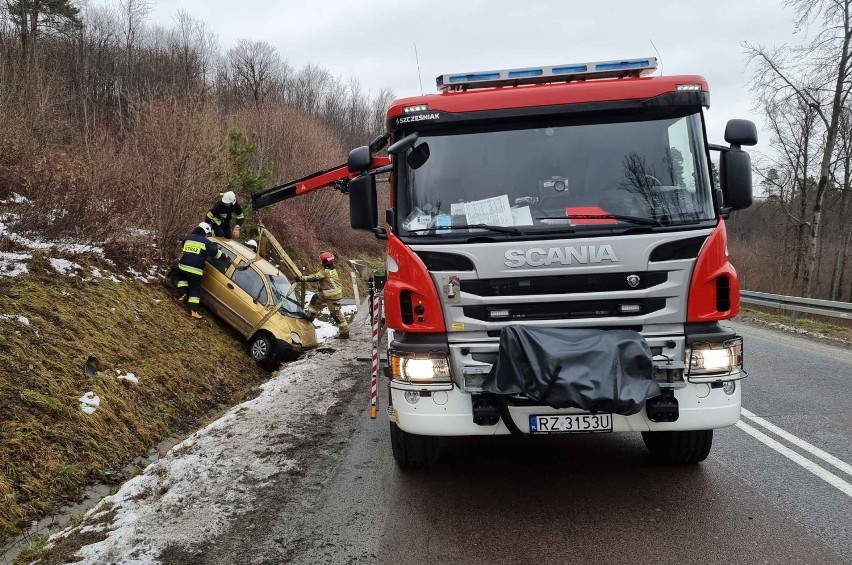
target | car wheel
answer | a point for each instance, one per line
(679, 448)
(412, 451)
(262, 349)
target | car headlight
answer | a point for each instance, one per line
(295, 339)
(420, 369)
(716, 358)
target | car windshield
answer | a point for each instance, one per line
(558, 176)
(283, 291)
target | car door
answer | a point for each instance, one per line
(214, 285)
(248, 297)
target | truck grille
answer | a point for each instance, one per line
(564, 284)
(587, 309)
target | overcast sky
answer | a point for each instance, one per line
(374, 40)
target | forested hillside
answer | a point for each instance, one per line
(117, 128)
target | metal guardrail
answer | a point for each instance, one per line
(796, 305)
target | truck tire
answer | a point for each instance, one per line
(679, 448)
(412, 451)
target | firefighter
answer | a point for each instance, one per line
(223, 212)
(328, 294)
(252, 244)
(196, 250)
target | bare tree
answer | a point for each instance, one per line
(843, 179)
(255, 67)
(819, 74)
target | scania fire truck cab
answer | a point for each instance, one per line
(571, 197)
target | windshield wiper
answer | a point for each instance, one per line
(632, 219)
(500, 229)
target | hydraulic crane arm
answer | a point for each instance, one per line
(338, 177)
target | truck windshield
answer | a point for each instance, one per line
(282, 290)
(556, 177)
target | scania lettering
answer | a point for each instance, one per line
(537, 257)
(556, 257)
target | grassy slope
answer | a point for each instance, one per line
(833, 330)
(50, 449)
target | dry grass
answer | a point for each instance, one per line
(814, 326)
(49, 448)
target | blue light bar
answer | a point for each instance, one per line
(526, 73)
(538, 75)
(621, 65)
(570, 70)
(474, 77)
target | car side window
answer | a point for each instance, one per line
(250, 281)
(222, 263)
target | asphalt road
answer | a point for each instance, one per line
(598, 499)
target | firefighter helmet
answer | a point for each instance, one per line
(327, 258)
(252, 244)
(208, 230)
(229, 197)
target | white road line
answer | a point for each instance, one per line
(827, 476)
(798, 442)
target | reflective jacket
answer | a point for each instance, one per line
(221, 214)
(329, 283)
(196, 250)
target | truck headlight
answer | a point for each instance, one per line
(716, 358)
(420, 369)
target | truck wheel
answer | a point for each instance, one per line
(679, 448)
(413, 451)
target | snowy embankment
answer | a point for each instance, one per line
(205, 483)
(13, 264)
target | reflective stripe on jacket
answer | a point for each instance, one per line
(329, 283)
(196, 250)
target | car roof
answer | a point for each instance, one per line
(247, 254)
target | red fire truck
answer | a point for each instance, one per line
(557, 258)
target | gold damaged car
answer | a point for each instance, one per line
(258, 299)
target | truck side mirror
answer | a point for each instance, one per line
(735, 177)
(363, 207)
(740, 132)
(735, 165)
(359, 159)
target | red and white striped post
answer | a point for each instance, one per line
(374, 379)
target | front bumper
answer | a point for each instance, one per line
(449, 412)
(287, 350)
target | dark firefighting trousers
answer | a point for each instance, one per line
(189, 284)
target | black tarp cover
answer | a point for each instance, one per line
(607, 371)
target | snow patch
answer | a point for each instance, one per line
(13, 264)
(64, 266)
(23, 320)
(324, 330)
(129, 377)
(150, 276)
(16, 198)
(89, 402)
